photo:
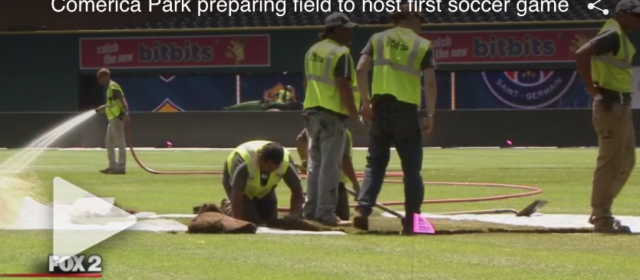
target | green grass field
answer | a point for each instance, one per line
(564, 175)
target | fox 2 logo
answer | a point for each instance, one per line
(74, 264)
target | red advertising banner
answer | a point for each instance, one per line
(175, 52)
(513, 46)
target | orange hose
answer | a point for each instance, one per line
(530, 191)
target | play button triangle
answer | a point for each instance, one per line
(82, 220)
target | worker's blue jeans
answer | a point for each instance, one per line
(327, 137)
(397, 124)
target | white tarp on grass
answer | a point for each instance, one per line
(559, 221)
(37, 216)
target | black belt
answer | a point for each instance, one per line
(313, 110)
(389, 100)
(623, 98)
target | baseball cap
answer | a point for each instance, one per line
(632, 6)
(339, 19)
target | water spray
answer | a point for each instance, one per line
(20, 161)
(15, 184)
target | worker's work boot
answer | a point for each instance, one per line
(117, 172)
(106, 171)
(608, 225)
(361, 220)
(309, 218)
(333, 221)
(407, 226)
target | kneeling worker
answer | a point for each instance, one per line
(347, 175)
(251, 174)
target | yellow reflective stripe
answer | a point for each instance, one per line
(251, 151)
(236, 170)
(410, 68)
(326, 77)
(610, 59)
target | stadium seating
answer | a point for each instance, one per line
(210, 20)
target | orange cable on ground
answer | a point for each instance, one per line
(530, 191)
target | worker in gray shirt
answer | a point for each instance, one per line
(251, 174)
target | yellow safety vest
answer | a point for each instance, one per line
(397, 55)
(249, 153)
(319, 63)
(343, 177)
(614, 72)
(354, 84)
(114, 107)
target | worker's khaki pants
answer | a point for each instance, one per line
(115, 138)
(616, 156)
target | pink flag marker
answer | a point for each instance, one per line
(422, 225)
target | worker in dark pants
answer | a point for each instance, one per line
(605, 66)
(399, 57)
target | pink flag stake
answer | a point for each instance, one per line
(422, 225)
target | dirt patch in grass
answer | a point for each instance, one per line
(211, 219)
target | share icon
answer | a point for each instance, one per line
(592, 6)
